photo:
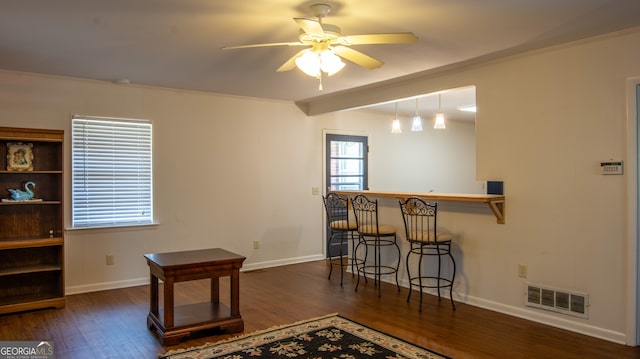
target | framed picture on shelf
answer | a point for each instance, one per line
(19, 156)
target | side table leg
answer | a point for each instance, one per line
(153, 292)
(168, 302)
(235, 293)
(215, 289)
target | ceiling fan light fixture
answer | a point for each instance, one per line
(312, 62)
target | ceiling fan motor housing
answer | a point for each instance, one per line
(320, 10)
(331, 34)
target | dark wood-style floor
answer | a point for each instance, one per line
(112, 324)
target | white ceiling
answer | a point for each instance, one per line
(177, 43)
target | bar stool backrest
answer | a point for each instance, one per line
(366, 213)
(337, 211)
(420, 220)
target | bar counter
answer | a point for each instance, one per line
(495, 201)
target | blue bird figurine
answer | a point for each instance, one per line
(19, 195)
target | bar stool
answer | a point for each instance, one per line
(341, 229)
(374, 235)
(421, 232)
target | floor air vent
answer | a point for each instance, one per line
(557, 300)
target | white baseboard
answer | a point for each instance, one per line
(281, 262)
(95, 287)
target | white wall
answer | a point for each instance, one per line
(227, 171)
(440, 160)
(545, 120)
(233, 170)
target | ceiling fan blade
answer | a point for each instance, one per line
(311, 27)
(397, 38)
(291, 63)
(357, 57)
(263, 45)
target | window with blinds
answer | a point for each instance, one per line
(111, 172)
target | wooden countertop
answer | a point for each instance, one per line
(495, 201)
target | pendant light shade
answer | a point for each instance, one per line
(439, 124)
(309, 63)
(395, 125)
(416, 125)
(439, 121)
(330, 62)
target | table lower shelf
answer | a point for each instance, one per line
(192, 318)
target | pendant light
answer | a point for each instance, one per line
(416, 125)
(439, 124)
(395, 125)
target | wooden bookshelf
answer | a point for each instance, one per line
(31, 235)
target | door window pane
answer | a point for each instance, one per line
(346, 162)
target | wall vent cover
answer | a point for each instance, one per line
(557, 300)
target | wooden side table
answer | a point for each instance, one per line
(176, 323)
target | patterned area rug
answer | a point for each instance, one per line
(331, 336)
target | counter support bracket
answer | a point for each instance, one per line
(497, 207)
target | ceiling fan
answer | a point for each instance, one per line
(326, 45)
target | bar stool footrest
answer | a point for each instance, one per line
(445, 283)
(382, 270)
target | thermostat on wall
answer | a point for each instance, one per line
(611, 167)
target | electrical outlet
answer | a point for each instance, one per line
(522, 271)
(256, 244)
(109, 259)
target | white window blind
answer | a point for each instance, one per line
(111, 172)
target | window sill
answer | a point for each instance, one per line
(114, 227)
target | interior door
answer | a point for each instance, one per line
(346, 169)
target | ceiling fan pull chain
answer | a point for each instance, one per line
(320, 79)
